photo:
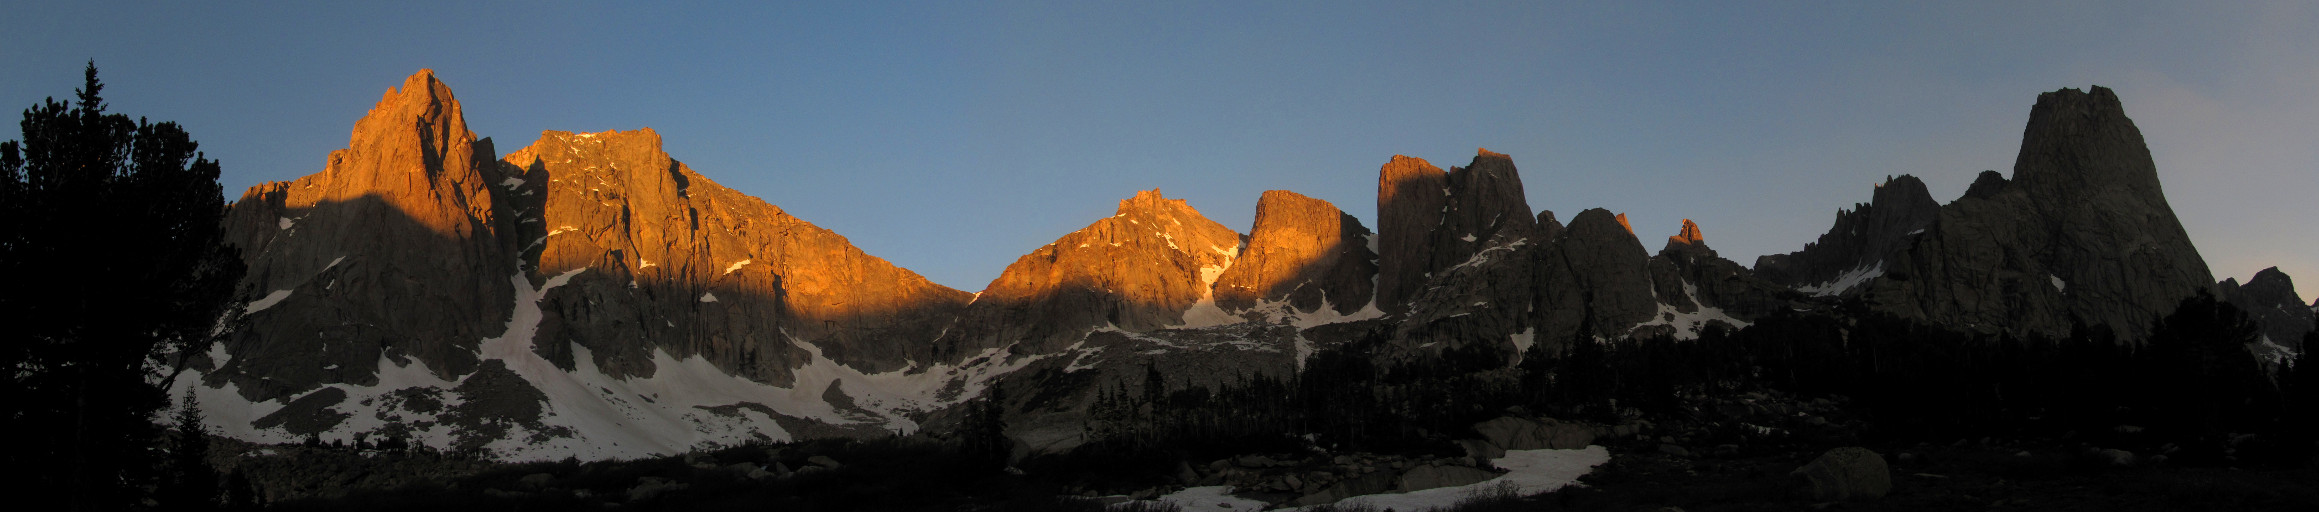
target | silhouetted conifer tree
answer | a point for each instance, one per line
(191, 484)
(110, 237)
(985, 427)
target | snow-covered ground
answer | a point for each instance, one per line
(1214, 498)
(1530, 472)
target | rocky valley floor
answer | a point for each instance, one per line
(1728, 453)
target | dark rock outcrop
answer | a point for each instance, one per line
(1593, 281)
(1512, 433)
(1303, 251)
(1862, 238)
(2269, 298)
(1475, 295)
(2081, 234)
(1486, 210)
(1412, 196)
(1845, 474)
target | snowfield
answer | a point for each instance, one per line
(594, 416)
(1530, 472)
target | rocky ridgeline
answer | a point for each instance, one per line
(692, 268)
(600, 255)
(1862, 238)
(2269, 298)
(2082, 233)
(414, 251)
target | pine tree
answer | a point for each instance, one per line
(191, 483)
(111, 240)
(983, 433)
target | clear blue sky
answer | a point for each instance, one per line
(951, 139)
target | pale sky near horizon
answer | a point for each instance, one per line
(951, 139)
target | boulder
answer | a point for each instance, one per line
(1512, 433)
(824, 461)
(1428, 477)
(1481, 449)
(1674, 450)
(1845, 474)
(1371, 483)
(1185, 474)
(648, 487)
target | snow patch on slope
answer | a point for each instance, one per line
(1281, 312)
(267, 302)
(1205, 313)
(1523, 340)
(1688, 325)
(1844, 282)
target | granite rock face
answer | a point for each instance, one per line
(1593, 281)
(2082, 233)
(677, 263)
(1862, 238)
(1486, 209)
(1412, 196)
(416, 266)
(396, 250)
(2269, 299)
(1142, 269)
(1476, 294)
(1304, 252)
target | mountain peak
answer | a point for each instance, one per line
(1412, 195)
(2079, 141)
(422, 101)
(1485, 152)
(1149, 200)
(1689, 236)
(1302, 250)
